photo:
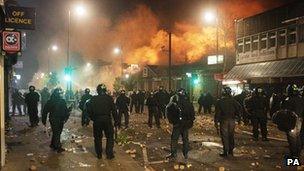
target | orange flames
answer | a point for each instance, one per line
(143, 41)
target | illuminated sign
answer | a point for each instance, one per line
(20, 18)
(215, 59)
(11, 41)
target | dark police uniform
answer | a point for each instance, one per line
(295, 103)
(31, 100)
(141, 101)
(17, 100)
(82, 105)
(162, 98)
(257, 106)
(58, 112)
(122, 103)
(180, 113)
(45, 95)
(134, 102)
(226, 111)
(100, 108)
(152, 110)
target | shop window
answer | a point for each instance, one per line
(272, 39)
(282, 37)
(301, 33)
(247, 44)
(255, 42)
(240, 45)
(292, 35)
(263, 41)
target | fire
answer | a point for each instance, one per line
(143, 41)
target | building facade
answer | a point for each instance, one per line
(270, 48)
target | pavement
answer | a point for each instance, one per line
(29, 148)
(142, 148)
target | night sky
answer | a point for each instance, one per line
(52, 17)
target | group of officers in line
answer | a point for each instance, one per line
(178, 108)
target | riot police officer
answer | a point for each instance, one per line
(45, 95)
(100, 109)
(58, 112)
(122, 103)
(257, 106)
(180, 112)
(31, 100)
(134, 102)
(226, 111)
(141, 101)
(162, 98)
(87, 96)
(295, 104)
(152, 110)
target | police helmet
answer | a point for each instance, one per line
(57, 92)
(32, 88)
(258, 91)
(122, 91)
(87, 90)
(181, 91)
(101, 88)
(292, 89)
(226, 91)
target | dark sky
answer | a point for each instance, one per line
(52, 16)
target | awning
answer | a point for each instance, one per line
(283, 68)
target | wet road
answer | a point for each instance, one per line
(140, 146)
(29, 147)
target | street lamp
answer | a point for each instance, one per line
(89, 64)
(53, 48)
(212, 17)
(117, 51)
(78, 10)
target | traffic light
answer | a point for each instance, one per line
(67, 74)
(195, 79)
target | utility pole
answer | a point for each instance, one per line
(69, 84)
(170, 60)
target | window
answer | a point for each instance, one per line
(240, 45)
(263, 41)
(255, 42)
(247, 44)
(292, 35)
(282, 37)
(214, 59)
(272, 39)
(301, 33)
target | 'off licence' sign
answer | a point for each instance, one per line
(20, 18)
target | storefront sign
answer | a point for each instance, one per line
(11, 41)
(20, 18)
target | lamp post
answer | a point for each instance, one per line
(53, 48)
(212, 17)
(79, 10)
(118, 51)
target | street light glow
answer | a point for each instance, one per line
(89, 64)
(209, 16)
(127, 76)
(54, 48)
(67, 78)
(117, 50)
(80, 10)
